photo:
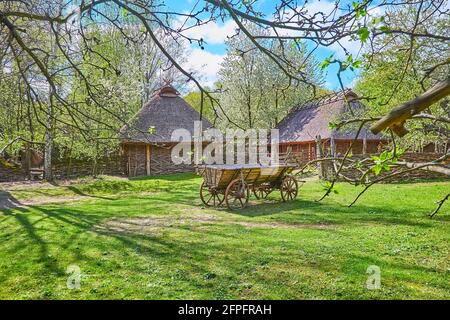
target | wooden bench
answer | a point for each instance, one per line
(36, 173)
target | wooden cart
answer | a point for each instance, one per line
(233, 184)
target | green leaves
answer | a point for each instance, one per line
(379, 23)
(381, 163)
(351, 64)
(363, 34)
(356, 64)
(151, 130)
(348, 63)
(360, 9)
(386, 160)
(332, 125)
(377, 20)
(384, 29)
(326, 62)
(327, 185)
(380, 166)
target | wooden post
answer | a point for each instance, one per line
(321, 166)
(147, 157)
(333, 153)
(309, 152)
(333, 147)
(364, 147)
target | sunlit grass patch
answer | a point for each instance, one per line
(152, 238)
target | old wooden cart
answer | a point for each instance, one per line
(233, 183)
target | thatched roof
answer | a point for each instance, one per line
(165, 112)
(307, 121)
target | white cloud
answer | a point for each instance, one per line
(352, 84)
(211, 32)
(310, 9)
(316, 6)
(330, 85)
(352, 47)
(205, 64)
(328, 8)
(376, 11)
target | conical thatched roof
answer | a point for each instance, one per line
(307, 121)
(159, 117)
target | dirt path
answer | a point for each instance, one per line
(156, 224)
(5, 186)
(8, 201)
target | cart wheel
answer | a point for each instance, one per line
(210, 197)
(237, 194)
(261, 192)
(289, 188)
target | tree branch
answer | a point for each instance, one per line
(396, 118)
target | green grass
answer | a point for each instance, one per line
(167, 246)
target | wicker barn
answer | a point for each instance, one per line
(146, 139)
(301, 127)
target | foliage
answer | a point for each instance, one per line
(402, 68)
(194, 99)
(385, 160)
(122, 75)
(255, 92)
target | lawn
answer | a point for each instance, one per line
(152, 239)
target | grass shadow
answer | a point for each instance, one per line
(77, 191)
(8, 201)
(172, 177)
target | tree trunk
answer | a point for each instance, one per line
(48, 149)
(48, 173)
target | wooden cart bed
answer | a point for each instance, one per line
(232, 183)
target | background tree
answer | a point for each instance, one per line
(194, 98)
(401, 70)
(342, 25)
(98, 77)
(254, 91)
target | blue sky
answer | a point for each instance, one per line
(207, 61)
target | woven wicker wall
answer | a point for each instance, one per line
(160, 160)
